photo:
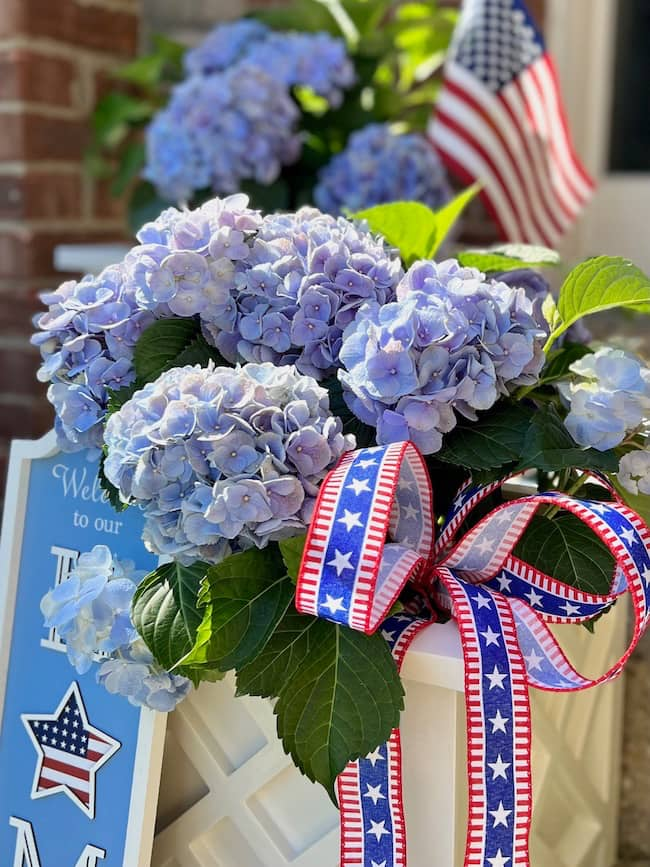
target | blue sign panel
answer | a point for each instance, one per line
(69, 792)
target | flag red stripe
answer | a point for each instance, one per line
(65, 768)
(493, 123)
(84, 797)
(461, 130)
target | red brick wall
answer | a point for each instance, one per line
(53, 54)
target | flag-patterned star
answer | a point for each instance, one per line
(70, 751)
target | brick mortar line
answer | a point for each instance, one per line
(20, 168)
(101, 60)
(113, 5)
(61, 225)
(43, 109)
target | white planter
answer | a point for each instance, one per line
(229, 797)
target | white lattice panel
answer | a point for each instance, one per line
(231, 798)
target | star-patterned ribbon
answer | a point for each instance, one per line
(351, 574)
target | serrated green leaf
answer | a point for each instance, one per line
(165, 611)
(447, 216)
(199, 351)
(549, 446)
(161, 344)
(565, 548)
(245, 597)
(600, 284)
(339, 692)
(558, 362)
(509, 257)
(409, 226)
(291, 550)
(496, 439)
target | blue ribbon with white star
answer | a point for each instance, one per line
(371, 534)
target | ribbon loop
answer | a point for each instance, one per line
(372, 532)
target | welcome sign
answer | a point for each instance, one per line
(79, 768)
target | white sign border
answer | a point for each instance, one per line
(151, 731)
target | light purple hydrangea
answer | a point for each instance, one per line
(608, 398)
(451, 343)
(310, 274)
(185, 265)
(223, 459)
(222, 129)
(225, 45)
(91, 611)
(380, 165)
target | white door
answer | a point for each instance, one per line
(602, 48)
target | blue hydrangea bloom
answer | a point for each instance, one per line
(185, 265)
(451, 343)
(634, 471)
(134, 674)
(608, 398)
(223, 459)
(221, 129)
(91, 612)
(380, 165)
(310, 274)
(225, 45)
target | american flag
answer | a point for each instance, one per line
(70, 751)
(499, 119)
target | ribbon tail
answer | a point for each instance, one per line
(498, 727)
(373, 831)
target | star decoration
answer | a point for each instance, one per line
(410, 512)
(499, 860)
(458, 502)
(333, 604)
(340, 561)
(70, 751)
(599, 508)
(482, 601)
(499, 768)
(534, 661)
(629, 536)
(374, 793)
(484, 545)
(500, 815)
(359, 486)
(646, 574)
(496, 678)
(367, 462)
(378, 829)
(388, 635)
(490, 636)
(377, 864)
(533, 598)
(405, 484)
(504, 582)
(570, 609)
(499, 722)
(350, 519)
(375, 756)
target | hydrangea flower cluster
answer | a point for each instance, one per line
(233, 119)
(185, 265)
(380, 165)
(223, 459)
(91, 612)
(314, 60)
(310, 274)
(222, 129)
(451, 343)
(608, 398)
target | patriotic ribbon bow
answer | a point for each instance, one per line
(350, 574)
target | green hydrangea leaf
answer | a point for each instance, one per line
(565, 548)
(509, 257)
(171, 343)
(112, 493)
(598, 284)
(549, 446)
(165, 611)
(339, 692)
(291, 550)
(496, 439)
(446, 217)
(244, 596)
